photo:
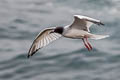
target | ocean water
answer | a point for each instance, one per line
(64, 59)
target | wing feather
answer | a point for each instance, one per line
(43, 39)
(84, 22)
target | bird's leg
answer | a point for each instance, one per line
(86, 45)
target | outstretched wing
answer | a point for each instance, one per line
(84, 23)
(43, 39)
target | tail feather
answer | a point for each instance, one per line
(93, 36)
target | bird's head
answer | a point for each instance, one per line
(58, 30)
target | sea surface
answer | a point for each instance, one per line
(64, 59)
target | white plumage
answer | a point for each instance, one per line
(79, 29)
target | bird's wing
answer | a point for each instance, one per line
(84, 23)
(43, 39)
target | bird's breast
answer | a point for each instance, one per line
(74, 33)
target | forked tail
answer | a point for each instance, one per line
(94, 36)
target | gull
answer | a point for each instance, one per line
(79, 29)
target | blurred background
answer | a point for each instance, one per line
(64, 59)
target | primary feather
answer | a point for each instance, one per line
(43, 39)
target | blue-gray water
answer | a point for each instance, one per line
(64, 59)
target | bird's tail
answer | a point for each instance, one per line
(93, 36)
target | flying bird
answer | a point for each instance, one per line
(79, 29)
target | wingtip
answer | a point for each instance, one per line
(28, 56)
(102, 23)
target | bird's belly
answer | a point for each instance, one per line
(75, 34)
